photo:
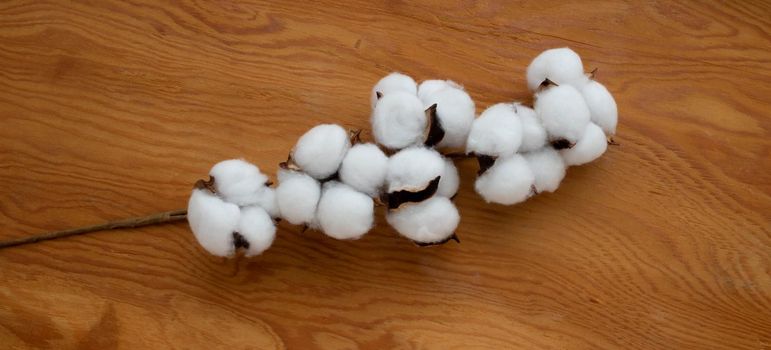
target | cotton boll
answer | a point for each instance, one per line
(508, 181)
(433, 220)
(562, 66)
(391, 83)
(239, 182)
(429, 87)
(450, 181)
(343, 212)
(257, 228)
(602, 106)
(590, 147)
(213, 222)
(497, 132)
(533, 133)
(563, 112)
(399, 120)
(548, 168)
(268, 202)
(320, 151)
(413, 168)
(297, 196)
(455, 111)
(364, 168)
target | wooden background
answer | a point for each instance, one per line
(114, 108)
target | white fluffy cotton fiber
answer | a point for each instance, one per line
(364, 168)
(450, 181)
(496, 133)
(257, 228)
(213, 222)
(297, 196)
(533, 132)
(321, 149)
(413, 168)
(509, 181)
(399, 120)
(238, 181)
(455, 111)
(430, 221)
(562, 66)
(590, 147)
(429, 87)
(563, 112)
(548, 168)
(391, 83)
(602, 106)
(344, 213)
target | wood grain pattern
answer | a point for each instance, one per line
(114, 108)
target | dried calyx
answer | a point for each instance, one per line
(559, 144)
(397, 198)
(453, 237)
(202, 184)
(434, 131)
(546, 83)
(485, 162)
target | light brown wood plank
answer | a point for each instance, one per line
(112, 109)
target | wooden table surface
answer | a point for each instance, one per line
(112, 109)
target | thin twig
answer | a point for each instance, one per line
(152, 219)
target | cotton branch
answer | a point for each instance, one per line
(152, 219)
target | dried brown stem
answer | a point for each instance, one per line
(207, 185)
(593, 73)
(152, 219)
(355, 136)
